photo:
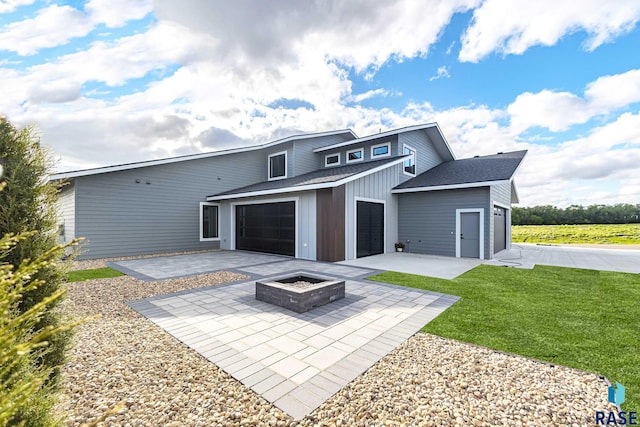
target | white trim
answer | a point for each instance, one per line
(361, 150)
(515, 192)
(415, 160)
(326, 165)
(507, 236)
(448, 186)
(357, 199)
(384, 144)
(135, 165)
(296, 200)
(280, 153)
(308, 186)
(209, 239)
(457, 235)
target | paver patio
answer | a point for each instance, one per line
(295, 361)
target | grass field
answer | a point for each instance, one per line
(584, 319)
(592, 233)
(95, 273)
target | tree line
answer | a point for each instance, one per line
(622, 213)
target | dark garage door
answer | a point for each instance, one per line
(267, 227)
(499, 229)
(370, 229)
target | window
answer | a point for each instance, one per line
(381, 150)
(278, 166)
(355, 155)
(332, 159)
(209, 222)
(409, 163)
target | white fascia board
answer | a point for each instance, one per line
(305, 187)
(514, 190)
(449, 186)
(376, 136)
(128, 166)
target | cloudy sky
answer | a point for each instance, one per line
(116, 81)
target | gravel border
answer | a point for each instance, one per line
(428, 380)
(86, 264)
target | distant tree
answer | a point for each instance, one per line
(28, 204)
(575, 214)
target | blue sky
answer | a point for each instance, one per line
(117, 81)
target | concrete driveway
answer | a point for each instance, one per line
(425, 265)
(524, 255)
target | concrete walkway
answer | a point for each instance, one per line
(524, 255)
(295, 361)
(425, 265)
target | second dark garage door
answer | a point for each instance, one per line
(267, 227)
(370, 228)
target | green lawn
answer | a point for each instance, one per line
(585, 319)
(95, 273)
(625, 234)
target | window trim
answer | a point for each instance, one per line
(361, 150)
(384, 144)
(269, 178)
(415, 160)
(328, 165)
(208, 239)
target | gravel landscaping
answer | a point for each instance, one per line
(428, 380)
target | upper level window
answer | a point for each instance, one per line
(355, 155)
(209, 222)
(332, 159)
(278, 166)
(410, 162)
(381, 150)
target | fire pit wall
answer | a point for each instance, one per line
(300, 292)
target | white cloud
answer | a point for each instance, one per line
(615, 91)
(11, 5)
(558, 111)
(52, 26)
(512, 27)
(362, 34)
(116, 13)
(370, 94)
(440, 74)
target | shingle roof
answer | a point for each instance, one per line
(496, 167)
(318, 177)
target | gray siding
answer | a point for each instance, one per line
(427, 156)
(120, 216)
(427, 220)
(376, 186)
(66, 213)
(305, 220)
(501, 194)
(305, 160)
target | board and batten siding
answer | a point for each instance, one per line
(426, 154)
(501, 194)
(427, 220)
(376, 186)
(65, 208)
(305, 220)
(120, 214)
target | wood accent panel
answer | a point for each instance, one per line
(330, 224)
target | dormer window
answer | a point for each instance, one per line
(332, 159)
(381, 150)
(278, 166)
(355, 155)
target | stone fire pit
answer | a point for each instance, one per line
(300, 292)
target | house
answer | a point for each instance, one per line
(325, 196)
